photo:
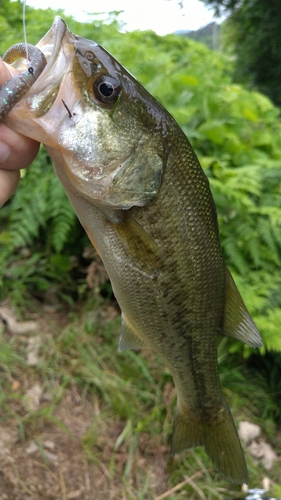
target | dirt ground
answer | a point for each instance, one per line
(72, 452)
(47, 460)
(51, 464)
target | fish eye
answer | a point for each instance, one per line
(107, 89)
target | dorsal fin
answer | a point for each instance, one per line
(129, 339)
(237, 321)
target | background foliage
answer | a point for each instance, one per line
(236, 134)
(253, 33)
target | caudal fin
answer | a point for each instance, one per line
(220, 438)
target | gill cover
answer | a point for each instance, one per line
(114, 158)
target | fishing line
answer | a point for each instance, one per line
(24, 27)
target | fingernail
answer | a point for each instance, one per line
(4, 152)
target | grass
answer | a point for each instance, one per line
(110, 415)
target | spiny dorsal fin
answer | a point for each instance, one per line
(129, 339)
(237, 321)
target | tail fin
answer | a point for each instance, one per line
(220, 438)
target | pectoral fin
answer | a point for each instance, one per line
(139, 245)
(129, 339)
(237, 320)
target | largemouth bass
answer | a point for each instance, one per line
(141, 195)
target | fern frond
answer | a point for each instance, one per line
(233, 255)
(61, 215)
(40, 207)
(269, 238)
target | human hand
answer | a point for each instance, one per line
(16, 151)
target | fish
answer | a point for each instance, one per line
(139, 191)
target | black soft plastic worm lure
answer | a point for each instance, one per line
(14, 89)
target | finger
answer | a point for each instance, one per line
(9, 180)
(16, 151)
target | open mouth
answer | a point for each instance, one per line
(51, 43)
(57, 46)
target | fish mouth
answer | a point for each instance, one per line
(51, 43)
(56, 45)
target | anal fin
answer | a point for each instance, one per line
(129, 339)
(237, 320)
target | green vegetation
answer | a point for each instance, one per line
(209, 35)
(253, 33)
(44, 261)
